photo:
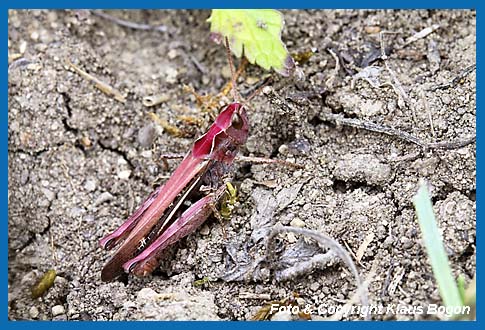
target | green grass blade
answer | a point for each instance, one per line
(435, 249)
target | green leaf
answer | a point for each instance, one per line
(434, 247)
(257, 32)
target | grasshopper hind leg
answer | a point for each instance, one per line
(144, 263)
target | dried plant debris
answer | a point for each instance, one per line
(301, 259)
(247, 256)
(422, 34)
(391, 131)
(325, 242)
(267, 312)
(371, 74)
(101, 85)
(267, 205)
(263, 217)
(294, 261)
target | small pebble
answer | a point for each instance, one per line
(90, 185)
(251, 80)
(50, 195)
(89, 218)
(267, 90)
(171, 75)
(34, 312)
(24, 177)
(54, 126)
(104, 197)
(446, 99)
(372, 29)
(146, 135)
(406, 242)
(23, 47)
(205, 230)
(296, 222)
(283, 149)
(58, 310)
(85, 141)
(61, 317)
(34, 36)
(146, 154)
(172, 53)
(124, 175)
(76, 212)
(299, 147)
(146, 294)
(291, 238)
(315, 286)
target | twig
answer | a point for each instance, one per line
(422, 34)
(172, 156)
(448, 145)
(256, 296)
(262, 160)
(391, 131)
(395, 83)
(169, 128)
(363, 247)
(428, 111)
(197, 64)
(387, 281)
(129, 24)
(455, 81)
(354, 299)
(101, 85)
(233, 75)
(53, 249)
(396, 280)
(350, 250)
(329, 82)
(153, 100)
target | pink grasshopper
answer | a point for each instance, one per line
(164, 218)
(168, 215)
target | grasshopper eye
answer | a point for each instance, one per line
(236, 121)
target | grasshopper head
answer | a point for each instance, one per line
(229, 130)
(238, 127)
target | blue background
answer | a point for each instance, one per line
(408, 4)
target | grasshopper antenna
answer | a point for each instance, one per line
(235, 94)
(260, 88)
(256, 92)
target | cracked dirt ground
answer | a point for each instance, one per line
(80, 161)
